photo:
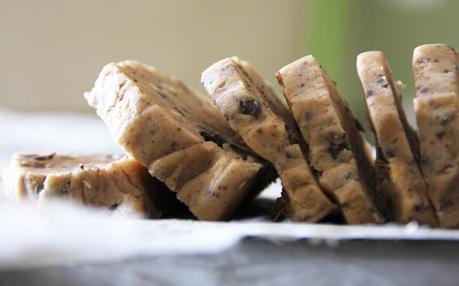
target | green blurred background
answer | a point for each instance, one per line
(343, 29)
(52, 50)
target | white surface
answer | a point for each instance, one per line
(61, 233)
(52, 132)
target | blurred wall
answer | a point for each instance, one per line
(52, 50)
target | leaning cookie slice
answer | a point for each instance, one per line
(337, 150)
(179, 135)
(396, 140)
(437, 107)
(262, 119)
(117, 183)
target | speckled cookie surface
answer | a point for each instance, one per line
(117, 183)
(262, 119)
(155, 116)
(396, 140)
(437, 106)
(335, 143)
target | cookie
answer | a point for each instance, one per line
(437, 106)
(155, 117)
(337, 151)
(396, 141)
(262, 119)
(113, 182)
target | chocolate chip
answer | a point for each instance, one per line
(440, 134)
(389, 153)
(289, 155)
(250, 107)
(370, 93)
(335, 149)
(424, 90)
(217, 139)
(113, 207)
(317, 173)
(41, 158)
(337, 144)
(307, 115)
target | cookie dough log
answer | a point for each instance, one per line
(396, 141)
(117, 183)
(337, 150)
(437, 109)
(179, 135)
(262, 119)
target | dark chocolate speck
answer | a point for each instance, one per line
(250, 107)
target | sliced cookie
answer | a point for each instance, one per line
(262, 119)
(396, 141)
(156, 118)
(117, 183)
(437, 107)
(337, 150)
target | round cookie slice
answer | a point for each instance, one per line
(436, 105)
(262, 119)
(396, 141)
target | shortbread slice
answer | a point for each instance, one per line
(396, 140)
(250, 111)
(113, 182)
(437, 114)
(152, 115)
(337, 150)
(211, 182)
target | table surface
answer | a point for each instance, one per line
(259, 262)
